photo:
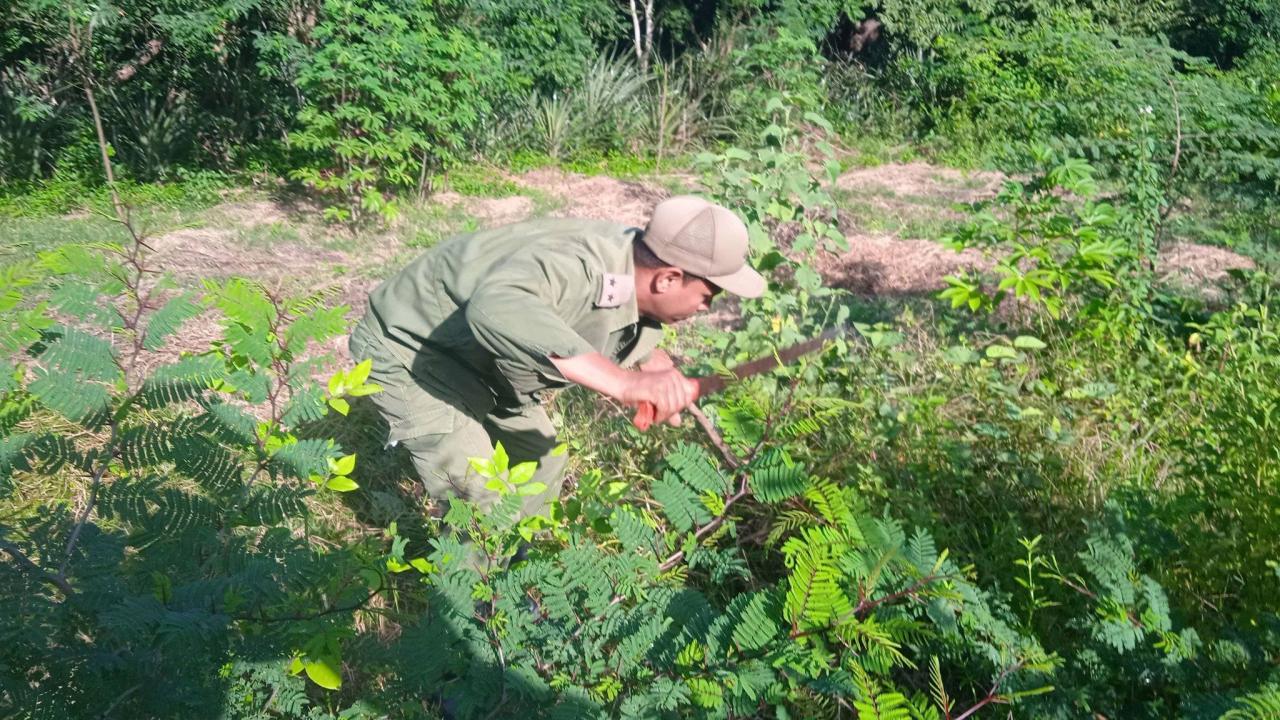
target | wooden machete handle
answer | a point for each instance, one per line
(646, 413)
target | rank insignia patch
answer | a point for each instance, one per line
(615, 290)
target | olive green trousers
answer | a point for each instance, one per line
(442, 430)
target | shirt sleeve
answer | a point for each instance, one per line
(523, 313)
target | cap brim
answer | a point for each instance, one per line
(746, 282)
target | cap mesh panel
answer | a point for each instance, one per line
(697, 238)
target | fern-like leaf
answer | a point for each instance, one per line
(270, 505)
(231, 424)
(814, 593)
(169, 318)
(75, 352)
(316, 326)
(305, 405)
(1262, 704)
(632, 531)
(774, 477)
(697, 470)
(680, 504)
(184, 380)
(83, 301)
(755, 628)
(304, 458)
(71, 396)
(203, 461)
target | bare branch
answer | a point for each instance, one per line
(148, 53)
(26, 564)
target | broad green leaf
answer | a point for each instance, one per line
(532, 488)
(500, 459)
(522, 473)
(343, 465)
(1027, 342)
(1001, 351)
(959, 355)
(324, 671)
(342, 406)
(359, 373)
(366, 389)
(342, 483)
(482, 466)
(371, 578)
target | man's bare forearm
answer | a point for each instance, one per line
(666, 389)
(593, 371)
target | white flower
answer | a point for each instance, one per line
(1145, 110)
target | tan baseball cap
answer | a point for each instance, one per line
(706, 240)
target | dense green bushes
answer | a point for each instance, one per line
(193, 535)
(1105, 498)
(391, 92)
(255, 85)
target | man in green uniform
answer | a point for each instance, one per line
(465, 339)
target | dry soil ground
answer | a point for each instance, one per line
(891, 215)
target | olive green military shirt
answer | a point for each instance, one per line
(483, 313)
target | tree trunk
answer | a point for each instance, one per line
(642, 38)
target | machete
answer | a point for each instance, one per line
(712, 384)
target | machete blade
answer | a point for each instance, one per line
(712, 384)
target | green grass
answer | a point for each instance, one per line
(26, 237)
(60, 195)
(879, 210)
(480, 181)
(269, 235)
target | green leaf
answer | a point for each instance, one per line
(522, 473)
(342, 483)
(324, 671)
(532, 488)
(1001, 351)
(342, 406)
(1028, 693)
(500, 459)
(343, 465)
(482, 466)
(372, 579)
(168, 319)
(958, 355)
(359, 373)
(366, 389)
(1027, 342)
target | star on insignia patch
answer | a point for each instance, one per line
(615, 290)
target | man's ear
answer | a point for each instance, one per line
(667, 279)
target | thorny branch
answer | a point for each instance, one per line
(993, 695)
(743, 477)
(312, 616)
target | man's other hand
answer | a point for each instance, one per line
(668, 391)
(666, 388)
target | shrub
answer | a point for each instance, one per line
(173, 568)
(390, 90)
